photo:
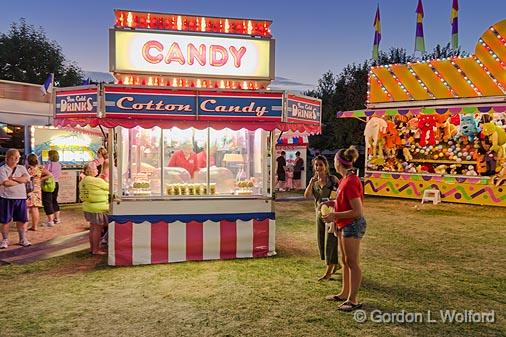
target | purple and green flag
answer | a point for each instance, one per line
(377, 35)
(454, 19)
(419, 42)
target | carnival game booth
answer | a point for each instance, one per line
(217, 203)
(439, 125)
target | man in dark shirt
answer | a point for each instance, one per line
(280, 171)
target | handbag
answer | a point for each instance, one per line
(48, 185)
(29, 186)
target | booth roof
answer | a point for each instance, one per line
(481, 74)
(166, 124)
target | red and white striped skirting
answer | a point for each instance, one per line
(133, 243)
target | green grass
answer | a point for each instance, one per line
(439, 257)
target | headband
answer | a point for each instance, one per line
(344, 162)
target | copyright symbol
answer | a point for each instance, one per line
(360, 316)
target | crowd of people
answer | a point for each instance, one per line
(26, 188)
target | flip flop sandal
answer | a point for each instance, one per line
(349, 306)
(335, 298)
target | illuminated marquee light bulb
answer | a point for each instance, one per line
(203, 25)
(227, 26)
(148, 21)
(250, 27)
(179, 22)
(222, 84)
(129, 19)
(199, 84)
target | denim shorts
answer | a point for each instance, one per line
(355, 229)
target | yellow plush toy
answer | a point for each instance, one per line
(496, 135)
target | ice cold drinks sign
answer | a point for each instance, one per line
(82, 102)
(194, 55)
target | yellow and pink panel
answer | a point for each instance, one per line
(468, 190)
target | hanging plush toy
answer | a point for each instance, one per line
(372, 130)
(392, 139)
(427, 125)
(469, 127)
(497, 136)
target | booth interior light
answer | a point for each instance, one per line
(192, 23)
(182, 82)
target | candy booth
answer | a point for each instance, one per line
(439, 124)
(191, 130)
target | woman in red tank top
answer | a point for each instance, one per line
(351, 226)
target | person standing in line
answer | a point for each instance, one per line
(321, 187)
(13, 178)
(37, 174)
(297, 171)
(94, 193)
(50, 199)
(281, 171)
(351, 227)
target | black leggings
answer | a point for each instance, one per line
(49, 201)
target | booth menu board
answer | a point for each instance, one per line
(67, 192)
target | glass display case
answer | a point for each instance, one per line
(192, 163)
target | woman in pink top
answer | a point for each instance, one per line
(351, 226)
(49, 199)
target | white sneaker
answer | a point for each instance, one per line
(4, 244)
(25, 243)
(49, 224)
(57, 221)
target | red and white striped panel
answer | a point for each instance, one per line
(162, 242)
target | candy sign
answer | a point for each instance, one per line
(191, 55)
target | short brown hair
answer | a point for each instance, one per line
(53, 155)
(32, 159)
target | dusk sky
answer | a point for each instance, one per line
(311, 36)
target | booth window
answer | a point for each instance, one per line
(176, 163)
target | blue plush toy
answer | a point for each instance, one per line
(469, 127)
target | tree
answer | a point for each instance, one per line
(27, 55)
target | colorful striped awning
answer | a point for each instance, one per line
(482, 74)
(454, 110)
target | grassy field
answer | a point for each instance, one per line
(439, 257)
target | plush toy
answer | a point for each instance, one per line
(372, 130)
(496, 135)
(453, 169)
(469, 127)
(410, 168)
(449, 130)
(427, 126)
(500, 178)
(471, 171)
(440, 169)
(407, 154)
(413, 128)
(391, 137)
